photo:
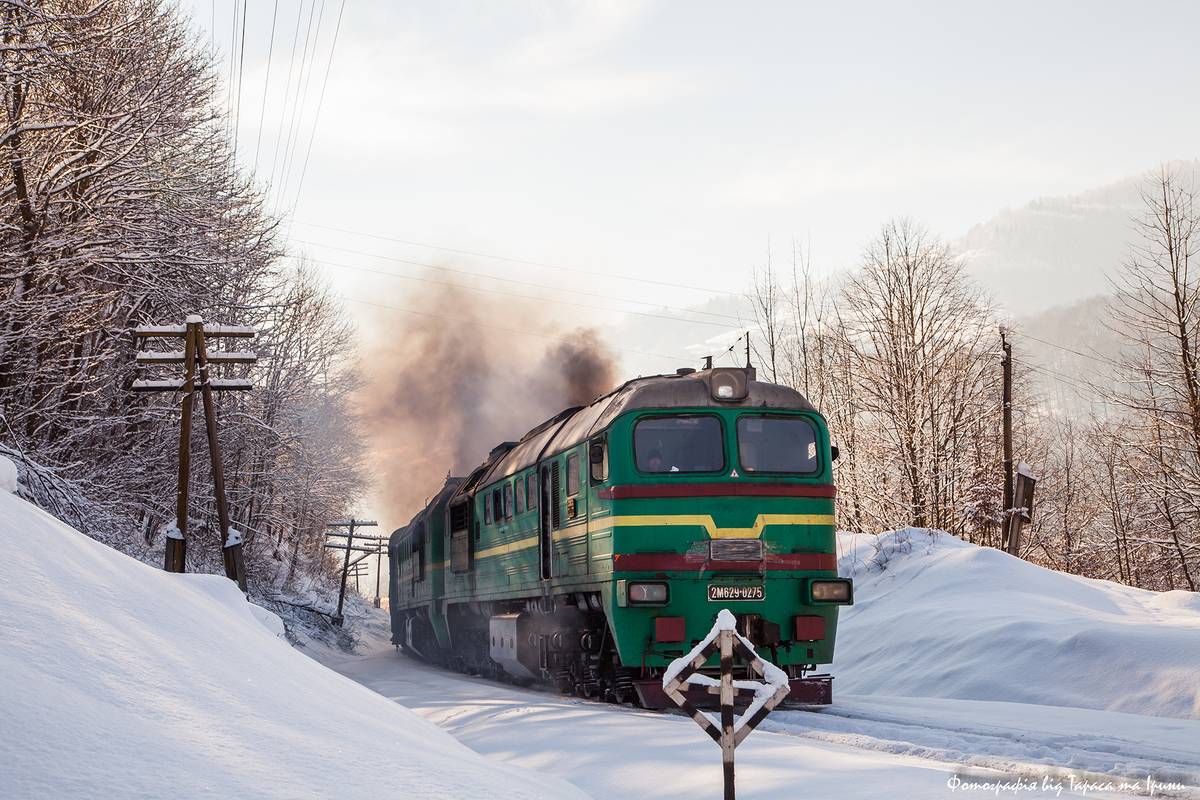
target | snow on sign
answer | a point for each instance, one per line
(766, 694)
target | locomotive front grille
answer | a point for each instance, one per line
(735, 550)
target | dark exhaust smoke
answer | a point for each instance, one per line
(444, 390)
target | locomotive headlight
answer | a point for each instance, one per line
(728, 384)
(647, 594)
(839, 591)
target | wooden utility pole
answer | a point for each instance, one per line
(195, 354)
(1007, 424)
(350, 525)
(176, 545)
(231, 546)
(378, 570)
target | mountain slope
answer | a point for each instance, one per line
(1057, 250)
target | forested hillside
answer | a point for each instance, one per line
(903, 355)
(123, 204)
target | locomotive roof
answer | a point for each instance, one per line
(574, 425)
(449, 488)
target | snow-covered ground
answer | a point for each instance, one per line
(954, 661)
(955, 665)
(118, 680)
(863, 747)
(934, 616)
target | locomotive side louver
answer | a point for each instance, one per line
(555, 498)
(735, 550)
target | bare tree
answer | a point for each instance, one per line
(1157, 311)
(919, 332)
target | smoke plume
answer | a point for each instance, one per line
(446, 388)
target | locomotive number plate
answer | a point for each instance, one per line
(721, 591)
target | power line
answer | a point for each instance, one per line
(287, 88)
(515, 260)
(1066, 349)
(472, 323)
(320, 102)
(480, 290)
(1056, 376)
(232, 61)
(297, 101)
(241, 70)
(294, 138)
(534, 284)
(266, 87)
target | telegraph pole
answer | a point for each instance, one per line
(378, 568)
(350, 525)
(1007, 409)
(195, 357)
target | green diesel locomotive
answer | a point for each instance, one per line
(601, 546)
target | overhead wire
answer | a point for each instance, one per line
(296, 101)
(515, 260)
(266, 87)
(1064, 348)
(320, 104)
(534, 284)
(499, 292)
(232, 61)
(241, 69)
(287, 87)
(472, 323)
(294, 138)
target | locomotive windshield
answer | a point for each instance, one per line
(777, 444)
(679, 444)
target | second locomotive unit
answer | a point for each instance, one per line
(600, 547)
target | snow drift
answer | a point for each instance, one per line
(935, 616)
(120, 680)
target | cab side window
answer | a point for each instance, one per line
(598, 460)
(531, 496)
(508, 501)
(519, 496)
(572, 474)
(487, 508)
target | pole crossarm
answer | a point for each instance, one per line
(178, 384)
(356, 549)
(179, 331)
(149, 357)
(352, 523)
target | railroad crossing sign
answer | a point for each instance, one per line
(766, 695)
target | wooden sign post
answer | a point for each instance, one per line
(1021, 512)
(725, 639)
(195, 355)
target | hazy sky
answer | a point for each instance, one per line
(670, 141)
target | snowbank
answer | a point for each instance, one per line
(8, 476)
(120, 680)
(934, 616)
